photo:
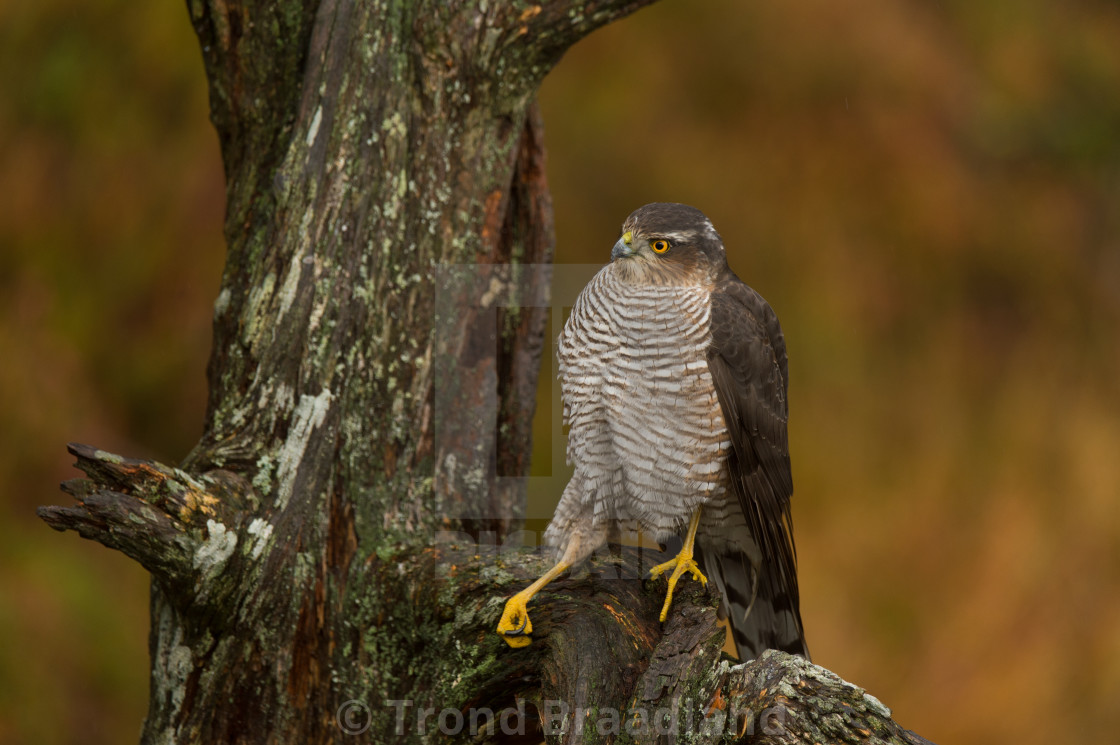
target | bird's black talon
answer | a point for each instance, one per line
(520, 631)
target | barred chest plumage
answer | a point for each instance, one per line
(647, 437)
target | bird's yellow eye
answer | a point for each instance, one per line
(659, 246)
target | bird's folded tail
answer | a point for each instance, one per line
(761, 613)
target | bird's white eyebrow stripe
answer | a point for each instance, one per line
(679, 237)
(690, 236)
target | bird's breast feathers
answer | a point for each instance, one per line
(641, 406)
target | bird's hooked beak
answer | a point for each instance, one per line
(623, 248)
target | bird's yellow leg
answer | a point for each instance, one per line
(515, 626)
(681, 563)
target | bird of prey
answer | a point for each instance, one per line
(673, 374)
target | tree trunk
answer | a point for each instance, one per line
(376, 346)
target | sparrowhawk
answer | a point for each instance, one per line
(673, 373)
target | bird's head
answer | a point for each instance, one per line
(670, 244)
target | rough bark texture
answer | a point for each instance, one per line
(376, 345)
(413, 656)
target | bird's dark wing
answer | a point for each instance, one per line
(747, 360)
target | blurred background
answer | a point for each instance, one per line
(928, 195)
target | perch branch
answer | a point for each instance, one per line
(601, 666)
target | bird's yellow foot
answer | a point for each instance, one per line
(515, 626)
(681, 563)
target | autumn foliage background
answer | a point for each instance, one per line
(928, 194)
